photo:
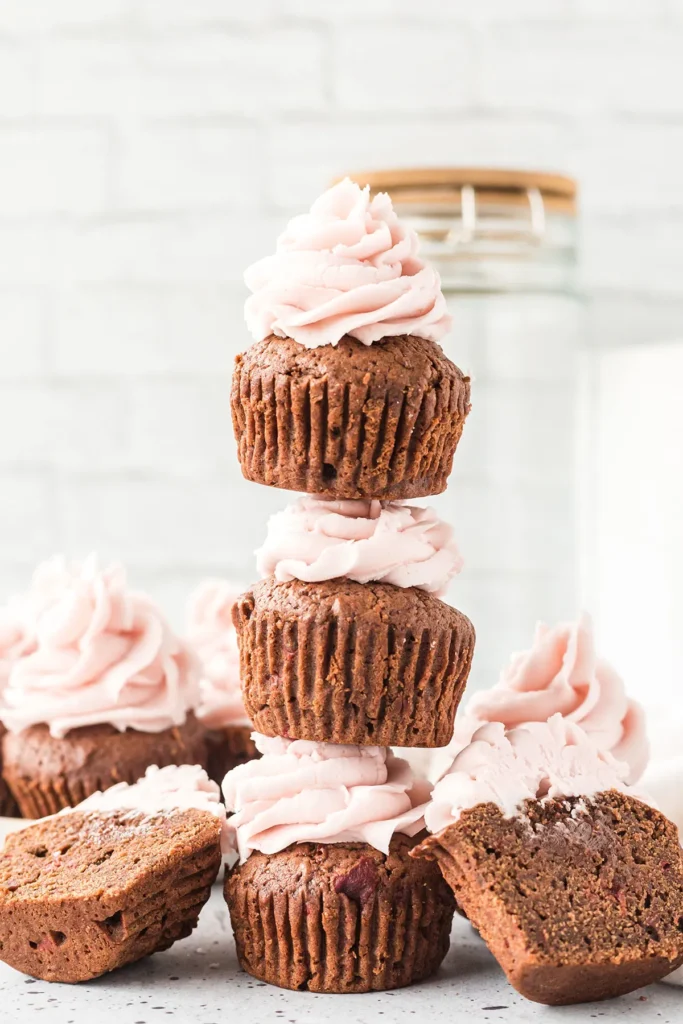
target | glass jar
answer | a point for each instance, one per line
(504, 243)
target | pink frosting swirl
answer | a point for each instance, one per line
(17, 636)
(104, 655)
(508, 766)
(361, 540)
(212, 634)
(301, 791)
(562, 673)
(348, 267)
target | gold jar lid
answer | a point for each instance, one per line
(443, 187)
(487, 229)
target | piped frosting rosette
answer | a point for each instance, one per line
(104, 654)
(553, 759)
(314, 540)
(562, 674)
(349, 266)
(300, 791)
(17, 636)
(212, 635)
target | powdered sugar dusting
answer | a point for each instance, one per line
(162, 791)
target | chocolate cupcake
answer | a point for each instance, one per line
(326, 897)
(45, 772)
(346, 392)
(122, 876)
(8, 805)
(577, 889)
(345, 641)
(108, 691)
(16, 641)
(211, 632)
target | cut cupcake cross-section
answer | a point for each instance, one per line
(346, 392)
(345, 639)
(573, 881)
(326, 897)
(123, 875)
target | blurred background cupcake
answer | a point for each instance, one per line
(17, 639)
(108, 690)
(211, 632)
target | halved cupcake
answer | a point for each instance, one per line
(211, 632)
(108, 691)
(123, 875)
(345, 640)
(346, 392)
(574, 882)
(326, 896)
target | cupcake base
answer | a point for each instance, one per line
(46, 774)
(83, 894)
(227, 748)
(341, 917)
(351, 420)
(345, 662)
(8, 805)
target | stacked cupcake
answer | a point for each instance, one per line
(345, 645)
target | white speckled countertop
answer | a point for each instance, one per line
(198, 981)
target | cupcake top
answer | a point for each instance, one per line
(301, 791)
(104, 654)
(362, 540)
(349, 267)
(173, 788)
(561, 673)
(211, 632)
(552, 759)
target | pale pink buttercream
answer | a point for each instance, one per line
(562, 673)
(17, 636)
(301, 791)
(348, 267)
(211, 632)
(162, 791)
(553, 759)
(361, 540)
(104, 655)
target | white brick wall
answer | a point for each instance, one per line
(149, 149)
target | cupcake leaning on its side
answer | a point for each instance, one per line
(572, 880)
(122, 876)
(211, 632)
(108, 691)
(345, 640)
(346, 392)
(326, 897)
(16, 641)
